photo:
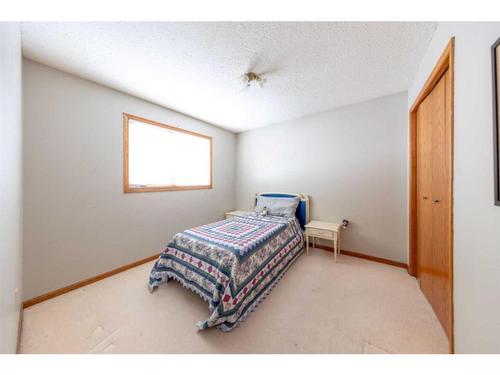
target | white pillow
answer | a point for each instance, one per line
(278, 206)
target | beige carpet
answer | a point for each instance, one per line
(353, 306)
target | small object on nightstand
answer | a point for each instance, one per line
(236, 213)
(325, 230)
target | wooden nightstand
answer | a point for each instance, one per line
(235, 213)
(325, 230)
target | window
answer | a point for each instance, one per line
(159, 157)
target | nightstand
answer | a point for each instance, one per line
(235, 213)
(325, 230)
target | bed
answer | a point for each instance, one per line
(233, 264)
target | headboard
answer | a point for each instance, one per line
(302, 212)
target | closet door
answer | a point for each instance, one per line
(434, 200)
(441, 205)
(424, 194)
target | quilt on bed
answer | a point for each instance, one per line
(232, 264)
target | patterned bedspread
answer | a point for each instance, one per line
(232, 264)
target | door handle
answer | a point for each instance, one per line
(436, 201)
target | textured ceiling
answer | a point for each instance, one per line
(194, 67)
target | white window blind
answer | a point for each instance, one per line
(163, 157)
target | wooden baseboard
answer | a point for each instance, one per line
(365, 256)
(79, 284)
(19, 329)
(375, 259)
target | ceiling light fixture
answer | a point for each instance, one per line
(250, 78)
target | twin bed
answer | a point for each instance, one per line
(234, 263)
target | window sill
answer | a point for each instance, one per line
(153, 189)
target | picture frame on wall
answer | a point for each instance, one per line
(495, 63)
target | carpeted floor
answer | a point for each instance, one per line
(353, 306)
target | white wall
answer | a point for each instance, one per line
(10, 181)
(77, 220)
(477, 220)
(352, 162)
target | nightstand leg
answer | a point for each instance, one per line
(335, 248)
(338, 243)
(307, 244)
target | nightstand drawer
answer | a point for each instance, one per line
(320, 233)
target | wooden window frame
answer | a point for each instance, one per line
(150, 189)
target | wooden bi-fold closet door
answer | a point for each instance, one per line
(433, 199)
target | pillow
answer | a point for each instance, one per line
(278, 206)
